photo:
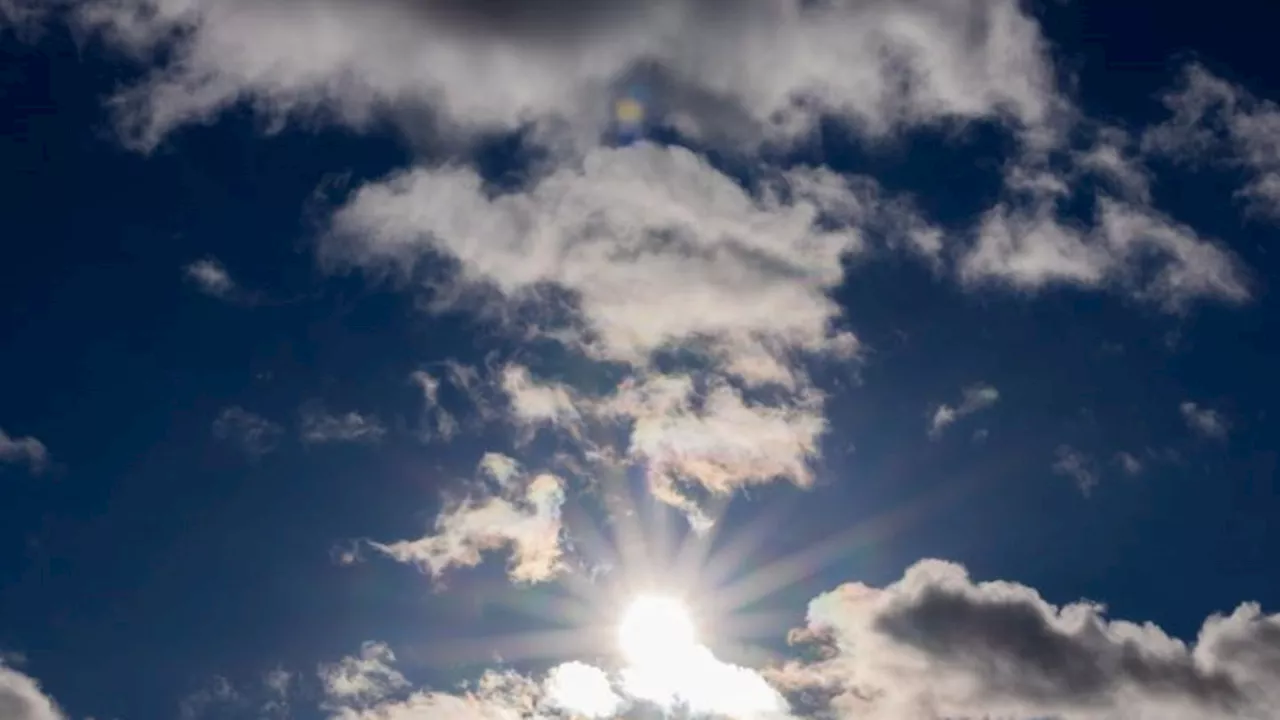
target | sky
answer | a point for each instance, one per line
(567, 359)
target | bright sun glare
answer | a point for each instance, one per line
(656, 629)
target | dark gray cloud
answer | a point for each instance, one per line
(938, 645)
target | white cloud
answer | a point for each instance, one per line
(319, 426)
(1204, 421)
(659, 250)
(255, 434)
(937, 645)
(1216, 121)
(21, 698)
(694, 683)
(975, 398)
(749, 69)
(520, 514)
(363, 680)
(212, 278)
(1028, 246)
(1076, 465)
(26, 450)
(582, 690)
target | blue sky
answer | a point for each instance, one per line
(369, 360)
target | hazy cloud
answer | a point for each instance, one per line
(319, 426)
(255, 434)
(25, 450)
(1076, 465)
(1204, 421)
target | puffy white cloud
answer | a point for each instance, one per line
(1076, 465)
(750, 69)
(1204, 421)
(509, 511)
(1214, 120)
(21, 698)
(24, 450)
(318, 426)
(254, 434)
(975, 398)
(658, 250)
(362, 680)
(581, 690)
(938, 645)
(211, 276)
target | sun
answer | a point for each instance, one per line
(656, 629)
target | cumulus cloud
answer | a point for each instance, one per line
(936, 645)
(1078, 466)
(1204, 421)
(25, 450)
(21, 698)
(318, 426)
(1215, 121)
(659, 250)
(507, 511)
(255, 434)
(975, 398)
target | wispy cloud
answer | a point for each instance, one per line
(1204, 421)
(319, 426)
(26, 451)
(1216, 122)
(1078, 466)
(975, 398)
(1130, 463)
(254, 434)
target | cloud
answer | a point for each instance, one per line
(437, 422)
(752, 69)
(255, 434)
(1130, 463)
(212, 278)
(508, 511)
(938, 645)
(1076, 465)
(976, 398)
(1204, 421)
(581, 689)
(1028, 246)
(1215, 121)
(22, 699)
(694, 683)
(659, 251)
(363, 680)
(318, 426)
(23, 451)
